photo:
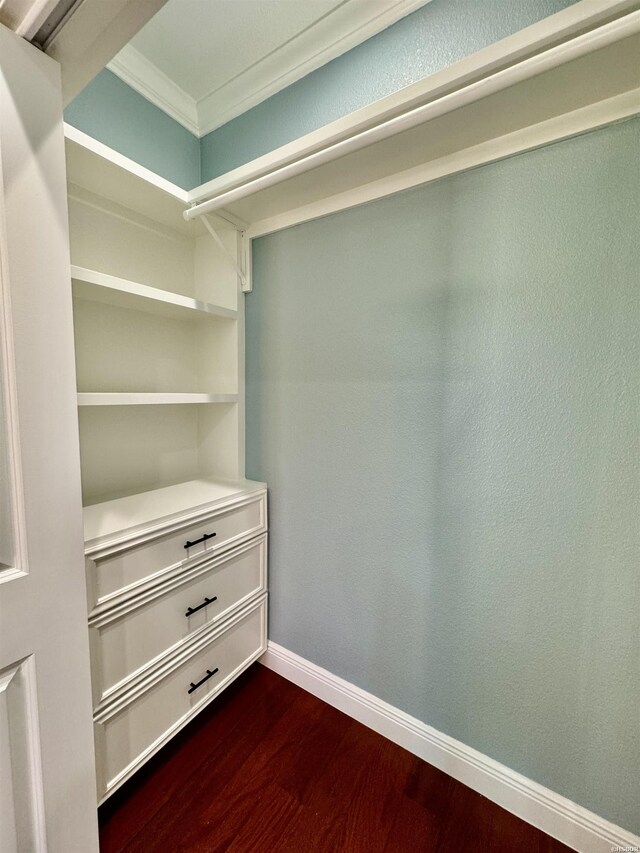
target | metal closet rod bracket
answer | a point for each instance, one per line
(244, 279)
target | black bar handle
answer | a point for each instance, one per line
(206, 601)
(198, 541)
(193, 686)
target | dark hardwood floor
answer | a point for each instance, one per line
(268, 767)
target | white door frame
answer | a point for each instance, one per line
(47, 774)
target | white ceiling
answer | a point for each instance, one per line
(206, 61)
(202, 44)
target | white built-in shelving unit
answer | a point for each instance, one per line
(175, 537)
(158, 320)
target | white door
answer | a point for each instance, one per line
(47, 782)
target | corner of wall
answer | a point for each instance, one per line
(112, 112)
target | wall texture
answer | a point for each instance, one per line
(443, 395)
(109, 110)
(430, 39)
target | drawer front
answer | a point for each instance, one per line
(129, 736)
(111, 575)
(154, 621)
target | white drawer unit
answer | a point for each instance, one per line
(157, 617)
(133, 726)
(169, 626)
(128, 563)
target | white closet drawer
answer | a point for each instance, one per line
(116, 569)
(157, 618)
(132, 728)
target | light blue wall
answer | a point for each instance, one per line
(109, 110)
(426, 41)
(443, 396)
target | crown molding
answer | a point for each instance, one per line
(134, 69)
(346, 27)
(349, 25)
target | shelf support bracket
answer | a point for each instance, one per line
(246, 286)
(245, 249)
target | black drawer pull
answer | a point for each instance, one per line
(198, 541)
(193, 686)
(206, 601)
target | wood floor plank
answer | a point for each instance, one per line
(243, 827)
(385, 775)
(429, 787)
(193, 786)
(421, 810)
(268, 768)
(286, 756)
(321, 825)
(265, 827)
(136, 804)
(309, 749)
(251, 781)
(413, 830)
(353, 802)
(466, 823)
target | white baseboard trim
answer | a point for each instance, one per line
(556, 815)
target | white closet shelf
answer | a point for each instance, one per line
(105, 172)
(127, 398)
(565, 75)
(102, 287)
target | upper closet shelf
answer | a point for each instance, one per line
(127, 398)
(106, 173)
(109, 289)
(567, 74)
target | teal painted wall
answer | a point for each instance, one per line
(109, 110)
(426, 41)
(443, 394)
